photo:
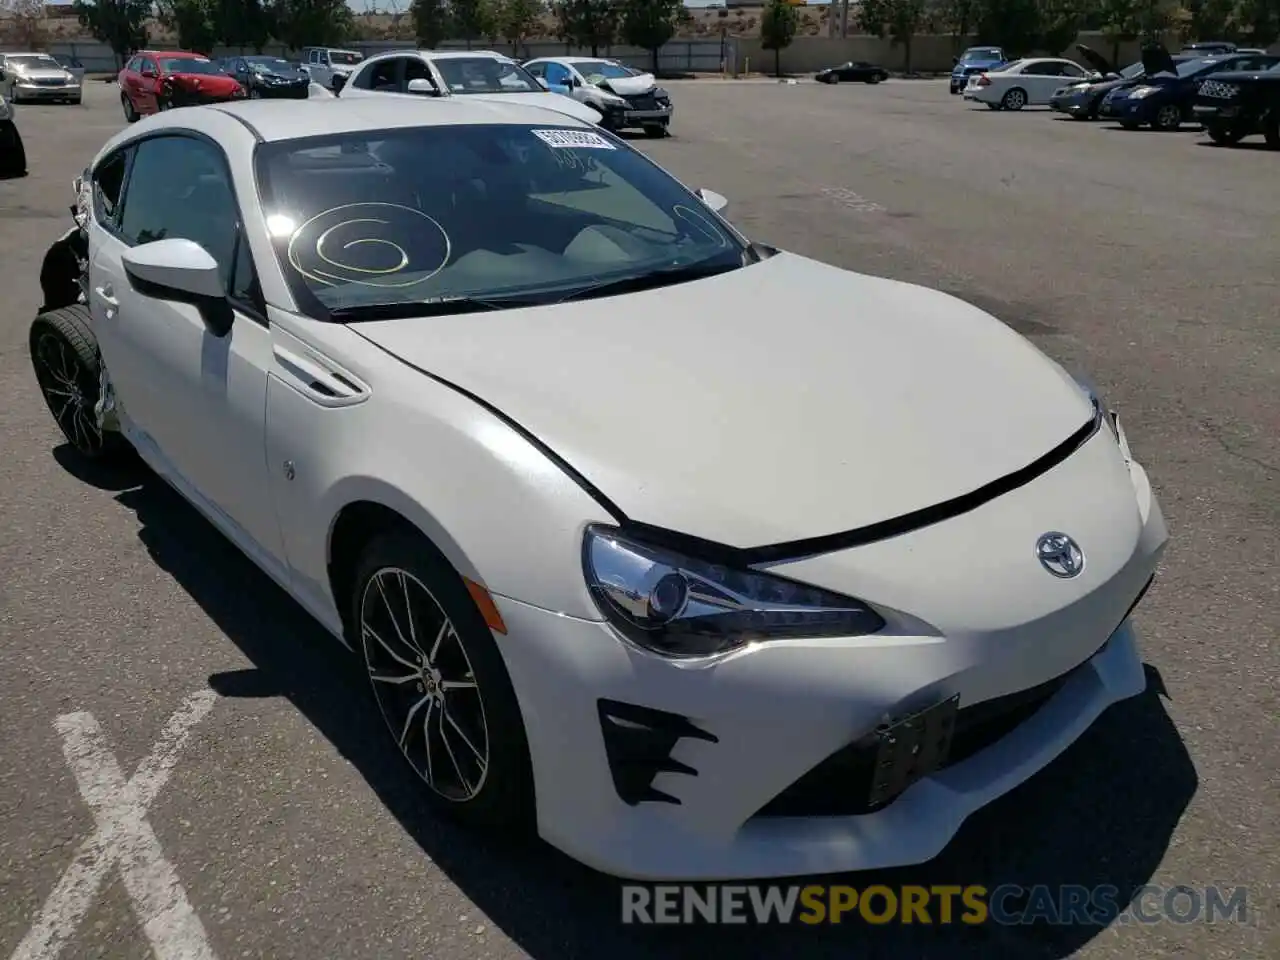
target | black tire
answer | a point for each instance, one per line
(1014, 99)
(1168, 118)
(503, 796)
(834, 79)
(130, 111)
(1271, 132)
(68, 368)
(13, 154)
(1223, 134)
(655, 132)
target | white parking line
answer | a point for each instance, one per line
(123, 840)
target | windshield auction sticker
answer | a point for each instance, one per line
(573, 138)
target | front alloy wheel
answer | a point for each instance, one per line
(440, 683)
(68, 370)
(1168, 117)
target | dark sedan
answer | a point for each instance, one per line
(1164, 96)
(855, 71)
(269, 77)
(1081, 100)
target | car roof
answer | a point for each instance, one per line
(463, 54)
(172, 54)
(276, 120)
(582, 59)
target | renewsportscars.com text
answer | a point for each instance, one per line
(1008, 904)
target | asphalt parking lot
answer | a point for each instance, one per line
(281, 824)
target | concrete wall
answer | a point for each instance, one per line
(678, 56)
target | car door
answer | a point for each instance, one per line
(240, 70)
(193, 402)
(146, 97)
(1040, 80)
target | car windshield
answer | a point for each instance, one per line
(188, 65)
(422, 216)
(35, 61)
(982, 53)
(268, 64)
(343, 58)
(597, 70)
(485, 75)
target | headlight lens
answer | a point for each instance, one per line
(6, 111)
(1141, 92)
(679, 606)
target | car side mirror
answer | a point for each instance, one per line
(181, 271)
(715, 201)
(423, 87)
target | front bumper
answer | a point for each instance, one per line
(186, 97)
(724, 770)
(33, 91)
(1074, 106)
(1222, 112)
(618, 117)
(1127, 110)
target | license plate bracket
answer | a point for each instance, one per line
(910, 749)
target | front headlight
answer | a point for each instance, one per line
(679, 606)
(6, 111)
(610, 99)
(1141, 92)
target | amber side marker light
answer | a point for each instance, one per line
(484, 603)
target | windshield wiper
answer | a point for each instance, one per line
(649, 280)
(449, 306)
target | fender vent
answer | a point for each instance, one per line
(638, 742)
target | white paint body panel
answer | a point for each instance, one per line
(1038, 88)
(783, 400)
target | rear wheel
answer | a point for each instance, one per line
(68, 369)
(656, 131)
(130, 111)
(1015, 99)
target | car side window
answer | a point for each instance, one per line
(385, 75)
(1071, 70)
(537, 69)
(416, 69)
(108, 180)
(179, 187)
(558, 74)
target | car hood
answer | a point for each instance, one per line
(964, 65)
(44, 73)
(1094, 58)
(629, 86)
(545, 99)
(296, 76)
(1245, 76)
(785, 400)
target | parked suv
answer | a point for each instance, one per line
(329, 66)
(1238, 104)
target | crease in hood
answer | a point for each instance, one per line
(781, 401)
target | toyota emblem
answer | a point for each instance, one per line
(1060, 555)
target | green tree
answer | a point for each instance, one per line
(958, 18)
(1013, 25)
(587, 23)
(473, 19)
(120, 24)
(1060, 24)
(430, 22)
(648, 24)
(900, 20)
(778, 29)
(304, 23)
(241, 23)
(1260, 21)
(515, 19)
(191, 20)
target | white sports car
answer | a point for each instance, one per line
(640, 544)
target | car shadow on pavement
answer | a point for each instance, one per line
(1102, 814)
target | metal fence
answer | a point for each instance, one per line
(678, 56)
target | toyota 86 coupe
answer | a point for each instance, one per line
(479, 385)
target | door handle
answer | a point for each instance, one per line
(107, 293)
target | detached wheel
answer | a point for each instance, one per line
(1224, 135)
(440, 683)
(68, 368)
(130, 111)
(1015, 99)
(1168, 117)
(13, 155)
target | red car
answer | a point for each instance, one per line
(154, 81)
